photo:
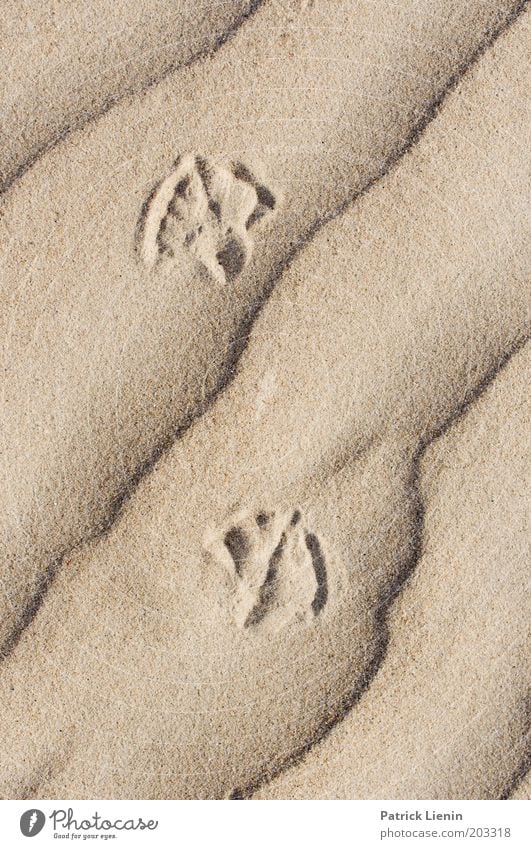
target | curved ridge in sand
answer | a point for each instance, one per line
(198, 605)
(523, 788)
(446, 715)
(74, 61)
(107, 406)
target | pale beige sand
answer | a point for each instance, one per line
(523, 790)
(64, 61)
(445, 716)
(166, 659)
(103, 356)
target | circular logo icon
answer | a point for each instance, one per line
(31, 822)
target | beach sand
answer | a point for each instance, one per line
(64, 63)
(106, 358)
(445, 717)
(523, 789)
(236, 609)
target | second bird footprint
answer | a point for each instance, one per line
(277, 568)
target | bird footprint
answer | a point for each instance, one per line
(277, 567)
(209, 209)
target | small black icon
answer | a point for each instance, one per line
(31, 822)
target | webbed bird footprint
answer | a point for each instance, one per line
(277, 569)
(210, 209)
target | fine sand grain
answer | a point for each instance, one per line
(523, 789)
(63, 62)
(127, 293)
(446, 715)
(237, 606)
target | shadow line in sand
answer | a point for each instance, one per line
(239, 346)
(222, 39)
(525, 767)
(391, 594)
(241, 340)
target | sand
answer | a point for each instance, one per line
(64, 63)
(236, 608)
(445, 717)
(106, 356)
(523, 789)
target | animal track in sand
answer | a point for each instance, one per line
(210, 209)
(277, 566)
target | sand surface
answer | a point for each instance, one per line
(105, 357)
(66, 61)
(263, 416)
(523, 789)
(445, 715)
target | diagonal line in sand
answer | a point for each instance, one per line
(520, 777)
(391, 594)
(222, 39)
(240, 343)
(425, 120)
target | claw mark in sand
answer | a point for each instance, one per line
(208, 208)
(278, 569)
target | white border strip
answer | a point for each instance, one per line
(268, 825)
